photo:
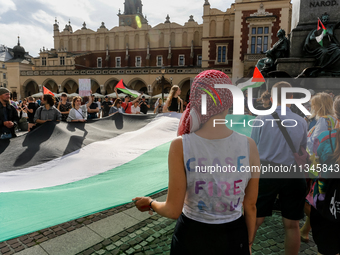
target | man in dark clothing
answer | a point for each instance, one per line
(106, 105)
(8, 115)
(144, 106)
(93, 110)
(31, 109)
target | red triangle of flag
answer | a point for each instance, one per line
(47, 91)
(320, 25)
(257, 76)
(120, 85)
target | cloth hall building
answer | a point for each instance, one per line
(231, 41)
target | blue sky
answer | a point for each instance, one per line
(33, 20)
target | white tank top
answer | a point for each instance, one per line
(216, 177)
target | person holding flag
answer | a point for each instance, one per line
(324, 46)
(126, 105)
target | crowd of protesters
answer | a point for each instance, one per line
(29, 113)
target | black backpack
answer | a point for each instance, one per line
(329, 207)
(328, 204)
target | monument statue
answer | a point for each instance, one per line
(279, 50)
(327, 53)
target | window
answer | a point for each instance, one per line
(62, 61)
(4, 76)
(259, 40)
(221, 54)
(43, 61)
(3, 66)
(99, 63)
(159, 60)
(138, 61)
(199, 60)
(181, 60)
(118, 62)
(5, 86)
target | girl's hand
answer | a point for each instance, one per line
(142, 203)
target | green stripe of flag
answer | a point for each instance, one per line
(127, 91)
(34, 210)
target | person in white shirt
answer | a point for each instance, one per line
(135, 109)
(78, 113)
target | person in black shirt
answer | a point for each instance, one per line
(64, 107)
(8, 115)
(174, 103)
(31, 109)
(144, 106)
(106, 105)
(92, 110)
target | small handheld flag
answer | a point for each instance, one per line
(47, 91)
(256, 81)
(125, 90)
(320, 33)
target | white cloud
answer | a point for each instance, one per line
(45, 18)
(7, 5)
(75, 10)
(32, 38)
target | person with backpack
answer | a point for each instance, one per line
(321, 120)
(322, 112)
(47, 112)
(325, 192)
(275, 151)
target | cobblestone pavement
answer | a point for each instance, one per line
(151, 236)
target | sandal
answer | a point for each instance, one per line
(305, 240)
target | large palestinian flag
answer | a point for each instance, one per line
(256, 81)
(64, 171)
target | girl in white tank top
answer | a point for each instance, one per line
(212, 192)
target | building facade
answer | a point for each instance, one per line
(230, 41)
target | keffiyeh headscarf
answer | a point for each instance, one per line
(218, 100)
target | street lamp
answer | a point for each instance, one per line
(162, 80)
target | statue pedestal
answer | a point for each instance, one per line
(294, 66)
(297, 40)
(305, 19)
